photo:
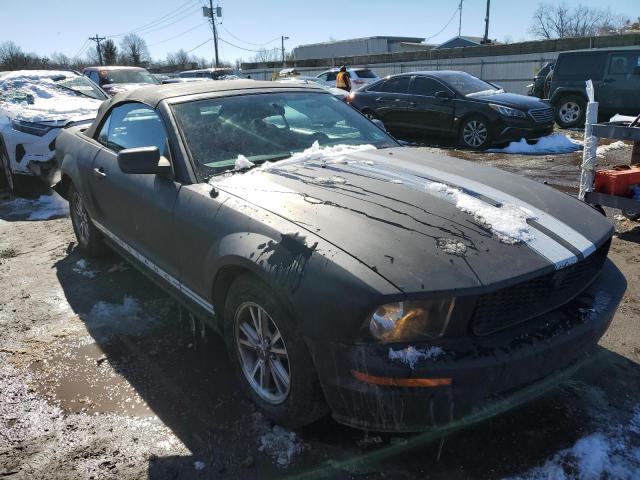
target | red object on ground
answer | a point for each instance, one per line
(617, 181)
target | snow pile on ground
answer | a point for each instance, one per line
(130, 307)
(508, 222)
(451, 246)
(612, 453)
(411, 355)
(243, 162)
(333, 154)
(42, 208)
(81, 268)
(555, 143)
(33, 96)
(603, 149)
(281, 445)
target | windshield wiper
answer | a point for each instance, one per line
(75, 91)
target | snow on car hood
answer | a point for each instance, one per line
(425, 221)
(33, 96)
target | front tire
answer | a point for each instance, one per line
(269, 356)
(570, 111)
(88, 236)
(15, 183)
(474, 133)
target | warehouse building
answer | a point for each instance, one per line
(359, 46)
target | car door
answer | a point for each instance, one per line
(135, 210)
(425, 111)
(622, 83)
(391, 99)
(331, 78)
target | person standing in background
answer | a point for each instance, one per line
(343, 80)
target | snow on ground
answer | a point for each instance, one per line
(603, 149)
(130, 307)
(42, 208)
(281, 445)
(554, 143)
(81, 268)
(612, 452)
(508, 222)
(33, 96)
(411, 356)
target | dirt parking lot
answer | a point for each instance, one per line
(102, 376)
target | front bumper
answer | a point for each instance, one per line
(515, 133)
(483, 370)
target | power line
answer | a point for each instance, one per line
(447, 24)
(173, 13)
(249, 43)
(242, 48)
(162, 27)
(198, 46)
(176, 36)
(81, 48)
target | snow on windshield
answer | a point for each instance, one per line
(332, 154)
(33, 96)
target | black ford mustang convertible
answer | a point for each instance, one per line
(395, 288)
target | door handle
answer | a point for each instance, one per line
(99, 172)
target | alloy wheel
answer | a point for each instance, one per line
(262, 353)
(475, 133)
(569, 112)
(80, 218)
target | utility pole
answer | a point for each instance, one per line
(98, 39)
(485, 40)
(212, 14)
(460, 21)
(283, 38)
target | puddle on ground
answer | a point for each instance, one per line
(78, 377)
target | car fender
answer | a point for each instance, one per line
(560, 92)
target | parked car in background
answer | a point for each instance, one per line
(396, 288)
(184, 80)
(208, 73)
(116, 79)
(616, 81)
(359, 77)
(538, 86)
(34, 106)
(338, 92)
(454, 104)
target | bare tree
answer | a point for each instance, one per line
(559, 21)
(109, 52)
(133, 50)
(267, 55)
(60, 60)
(180, 60)
(11, 56)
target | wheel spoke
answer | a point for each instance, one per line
(250, 334)
(255, 319)
(279, 375)
(278, 351)
(257, 366)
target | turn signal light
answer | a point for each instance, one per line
(401, 382)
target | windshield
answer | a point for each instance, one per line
(270, 127)
(80, 85)
(468, 85)
(128, 76)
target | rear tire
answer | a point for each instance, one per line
(269, 356)
(631, 215)
(474, 133)
(89, 238)
(570, 111)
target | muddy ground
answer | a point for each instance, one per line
(101, 376)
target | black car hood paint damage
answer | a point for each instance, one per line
(402, 232)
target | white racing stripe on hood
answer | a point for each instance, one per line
(543, 244)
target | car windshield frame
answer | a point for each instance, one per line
(123, 73)
(486, 89)
(371, 133)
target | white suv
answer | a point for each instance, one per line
(359, 77)
(34, 106)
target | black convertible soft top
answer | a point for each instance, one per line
(152, 95)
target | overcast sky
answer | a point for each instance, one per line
(44, 27)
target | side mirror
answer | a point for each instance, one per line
(145, 160)
(443, 94)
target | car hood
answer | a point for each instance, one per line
(427, 222)
(514, 100)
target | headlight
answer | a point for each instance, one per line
(411, 320)
(31, 128)
(507, 111)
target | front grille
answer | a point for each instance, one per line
(524, 301)
(542, 115)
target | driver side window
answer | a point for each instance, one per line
(133, 125)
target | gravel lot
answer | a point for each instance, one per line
(101, 376)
